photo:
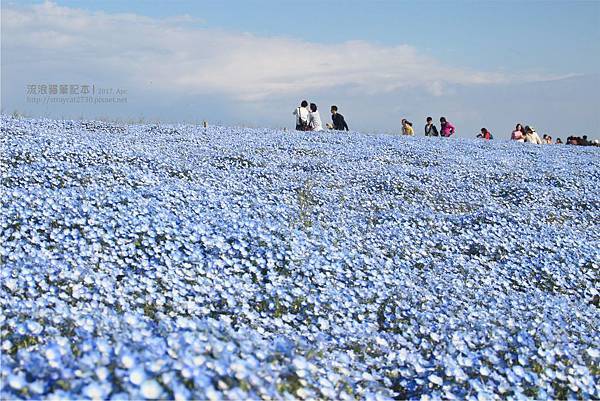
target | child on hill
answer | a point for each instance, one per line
(485, 134)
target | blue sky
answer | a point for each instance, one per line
(441, 53)
(560, 36)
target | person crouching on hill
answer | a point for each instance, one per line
(339, 123)
(485, 134)
(314, 119)
(407, 128)
(301, 114)
(446, 129)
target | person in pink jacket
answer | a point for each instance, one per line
(446, 129)
(518, 134)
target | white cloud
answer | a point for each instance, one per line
(176, 56)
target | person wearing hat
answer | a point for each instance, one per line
(532, 136)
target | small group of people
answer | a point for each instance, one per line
(309, 119)
(520, 134)
(446, 129)
(581, 141)
(528, 134)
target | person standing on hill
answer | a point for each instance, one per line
(314, 119)
(446, 129)
(339, 123)
(518, 134)
(430, 128)
(407, 128)
(584, 141)
(301, 114)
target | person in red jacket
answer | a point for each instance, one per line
(485, 134)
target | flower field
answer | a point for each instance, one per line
(181, 262)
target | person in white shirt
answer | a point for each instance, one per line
(314, 119)
(532, 136)
(301, 114)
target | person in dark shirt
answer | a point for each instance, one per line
(430, 128)
(338, 120)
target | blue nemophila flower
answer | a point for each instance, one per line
(17, 381)
(180, 262)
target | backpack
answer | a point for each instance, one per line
(432, 130)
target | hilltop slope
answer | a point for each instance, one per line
(178, 261)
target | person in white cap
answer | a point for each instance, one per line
(532, 136)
